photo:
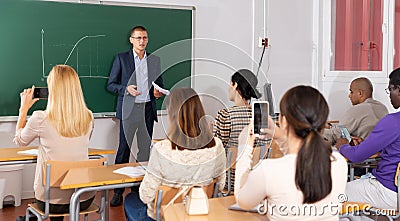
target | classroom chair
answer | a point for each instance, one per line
(54, 173)
(351, 209)
(165, 194)
(231, 155)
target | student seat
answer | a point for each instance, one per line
(54, 173)
(231, 155)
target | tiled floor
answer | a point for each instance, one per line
(10, 213)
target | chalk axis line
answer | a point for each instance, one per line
(69, 55)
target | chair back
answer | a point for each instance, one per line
(53, 174)
(396, 182)
(231, 155)
(60, 168)
(396, 178)
(165, 194)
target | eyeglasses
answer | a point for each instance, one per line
(140, 38)
(390, 88)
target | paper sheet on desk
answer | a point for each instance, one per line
(29, 152)
(162, 90)
(131, 171)
(236, 207)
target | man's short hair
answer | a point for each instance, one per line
(138, 28)
(364, 84)
(395, 77)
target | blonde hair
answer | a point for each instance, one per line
(66, 107)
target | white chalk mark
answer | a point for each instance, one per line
(43, 53)
(77, 60)
(77, 56)
(76, 44)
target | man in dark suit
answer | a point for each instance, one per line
(131, 78)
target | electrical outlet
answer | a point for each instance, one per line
(262, 42)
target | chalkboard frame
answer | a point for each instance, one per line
(13, 117)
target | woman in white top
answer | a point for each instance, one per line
(63, 131)
(190, 155)
(306, 183)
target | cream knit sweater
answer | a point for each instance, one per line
(181, 167)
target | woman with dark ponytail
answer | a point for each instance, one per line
(306, 183)
(230, 121)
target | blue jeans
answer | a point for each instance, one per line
(135, 209)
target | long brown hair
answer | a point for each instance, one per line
(306, 111)
(188, 127)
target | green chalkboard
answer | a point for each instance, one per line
(36, 35)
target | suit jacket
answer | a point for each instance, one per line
(123, 74)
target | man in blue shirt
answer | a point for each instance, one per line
(378, 190)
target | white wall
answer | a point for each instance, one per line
(289, 27)
(229, 23)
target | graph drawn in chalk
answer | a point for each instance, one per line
(84, 55)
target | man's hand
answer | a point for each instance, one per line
(131, 89)
(157, 93)
(356, 140)
(340, 142)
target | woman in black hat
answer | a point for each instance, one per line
(231, 121)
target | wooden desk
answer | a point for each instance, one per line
(218, 211)
(96, 176)
(99, 178)
(10, 155)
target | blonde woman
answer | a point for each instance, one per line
(63, 131)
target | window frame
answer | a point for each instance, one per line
(387, 42)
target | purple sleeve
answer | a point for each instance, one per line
(384, 133)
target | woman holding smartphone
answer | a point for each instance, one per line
(306, 183)
(63, 131)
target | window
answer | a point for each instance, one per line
(359, 37)
(356, 35)
(396, 62)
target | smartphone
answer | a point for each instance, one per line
(346, 134)
(41, 93)
(260, 112)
